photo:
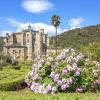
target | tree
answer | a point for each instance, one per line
(55, 22)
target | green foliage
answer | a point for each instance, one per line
(79, 37)
(11, 78)
(1, 67)
(81, 62)
(71, 69)
(55, 20)
(14, 85)
(5, 59)
(17, 67)
(93, 51)
(86, 39)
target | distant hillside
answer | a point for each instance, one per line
(79, 37)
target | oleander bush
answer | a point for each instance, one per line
(70, 71)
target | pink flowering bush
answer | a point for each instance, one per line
(68, 72)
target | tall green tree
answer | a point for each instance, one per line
(55, 22)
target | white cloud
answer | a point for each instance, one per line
(35, 26)
(13, 22)
(37, 6)
(64, 30)
(76, 22)
(3, 32)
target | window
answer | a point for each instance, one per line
(7, 39)
(27, 38)
(13, 51)
(19, 52)
(24, 39)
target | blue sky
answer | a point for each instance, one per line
(15, 15)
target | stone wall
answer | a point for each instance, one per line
(34, 41)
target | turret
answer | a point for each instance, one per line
(38, 42)
(29, 26)
(6, 40)
(29, 42)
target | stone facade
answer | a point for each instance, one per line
(26, 44)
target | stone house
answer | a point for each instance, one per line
(26, 44)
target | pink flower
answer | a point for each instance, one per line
(56, 79)
(49, 88)
(80, 90)
(70, 68)
(54, 89)
(77, 73)
(97, 81)
(65, 71)
(64, 81)
(59, 82)
(35, 77)
(69, 81)
(52, 75)
(63, 87)
(57, 76)
(78, 69)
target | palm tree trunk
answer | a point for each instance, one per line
(56, 40)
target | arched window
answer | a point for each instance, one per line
(27, 38)
(24, 40)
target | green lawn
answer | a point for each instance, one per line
(10, 77)
(28, 95)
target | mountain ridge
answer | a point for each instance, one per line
(78, 37)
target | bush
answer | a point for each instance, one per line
(1, 67)
(68, 72)
(14, 62)
(17, 67)
(15, 85)
(8, 59)
(11, 79)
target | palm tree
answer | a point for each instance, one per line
(55, 22)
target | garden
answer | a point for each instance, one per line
(70, 71)
(70, 75)
(12, 76)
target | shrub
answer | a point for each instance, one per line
(68, 72)
(11, 86)
(1, 67)
(7, 59)
(14, 62)
(17, 67)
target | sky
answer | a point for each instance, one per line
(16, 15)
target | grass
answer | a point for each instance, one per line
(10, 76)
(28, 95)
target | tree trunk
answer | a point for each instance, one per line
(56, 40)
